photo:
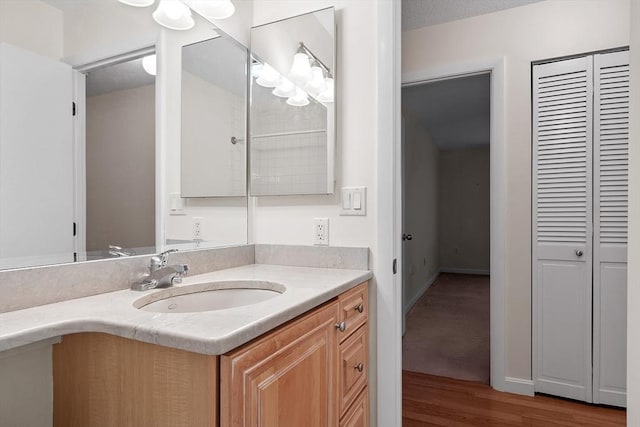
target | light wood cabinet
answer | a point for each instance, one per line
(309, 372)
(102, 380)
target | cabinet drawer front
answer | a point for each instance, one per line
(354, 367)
(358, 414)
(354, 309)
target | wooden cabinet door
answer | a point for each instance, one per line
(286, 378)
(358, 415)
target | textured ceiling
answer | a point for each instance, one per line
(423, 13)
(455, 112)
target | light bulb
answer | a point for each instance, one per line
(149, 64)
(268, 77)
(285, 89)
(174, 15)
(213, 9)
(328, 94)
(317, 83)
(301, 69)
(299, 100)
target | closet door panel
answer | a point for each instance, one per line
(611, 133)
(562, 229)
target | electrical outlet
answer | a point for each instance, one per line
(197, 228)
(321, 231)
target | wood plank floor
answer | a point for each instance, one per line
(428, 400)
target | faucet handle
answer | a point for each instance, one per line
(164, 256)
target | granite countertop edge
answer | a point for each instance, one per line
(207, 332)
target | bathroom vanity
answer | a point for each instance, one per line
(309, 371)
(300, 358)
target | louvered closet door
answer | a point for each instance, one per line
(562, 109)
(610, 162)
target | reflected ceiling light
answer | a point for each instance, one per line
(174, 15)
(149, 64)
(327, 94)
(268, 77)
(301, 68)
(137, 3)
(213, 9)
(256, 69)
(299, 100)
(285, 89)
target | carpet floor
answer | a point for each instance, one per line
(448, 329)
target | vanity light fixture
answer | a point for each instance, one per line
(286, 89)
(213, 9)
(149, 64)
(174, 14)
(327, 94)
(299, 100)
(309, 72)
(268, 76)
(301, 68)
(137, 3)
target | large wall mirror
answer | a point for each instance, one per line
(292, 113)
(87, 171)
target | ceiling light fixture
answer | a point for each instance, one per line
(268, 76)
(286, 89)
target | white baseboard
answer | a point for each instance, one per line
(417, 296)
(464, 271)
(518, 386)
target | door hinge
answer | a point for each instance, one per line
(75, 229)
(75, 257)
(73, 108)
(395, 266)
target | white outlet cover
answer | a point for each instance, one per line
(321, 231)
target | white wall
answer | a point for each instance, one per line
(464, 211)
(120, 142)
(421, 188)
(633, 281)
(26, 388)
(538, 31)
(32, 25)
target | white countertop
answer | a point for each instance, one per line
(208, 332)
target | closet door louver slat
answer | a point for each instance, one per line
(611, 163)
(562, 227)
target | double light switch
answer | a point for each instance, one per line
(354, 201)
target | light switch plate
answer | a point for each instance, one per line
(353, 201)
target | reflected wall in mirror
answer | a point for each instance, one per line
(292, 114)
(72, 185)
(214, 88)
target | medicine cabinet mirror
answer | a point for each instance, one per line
(292, 112)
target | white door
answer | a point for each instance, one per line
(36, 159)
(562, 229)
(610, 150)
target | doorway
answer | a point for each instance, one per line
(446, 222)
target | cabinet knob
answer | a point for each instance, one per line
(359, 308)
(341, 326)
(579, 252)
(359, 367)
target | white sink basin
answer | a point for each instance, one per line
(209, 296)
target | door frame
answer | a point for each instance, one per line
(495, 66)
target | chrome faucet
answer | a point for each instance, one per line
(160, 274)
(119, 252)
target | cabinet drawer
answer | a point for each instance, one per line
(354, 367)
(354, 309)
(358, 414)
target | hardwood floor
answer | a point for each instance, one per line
(436, 401)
